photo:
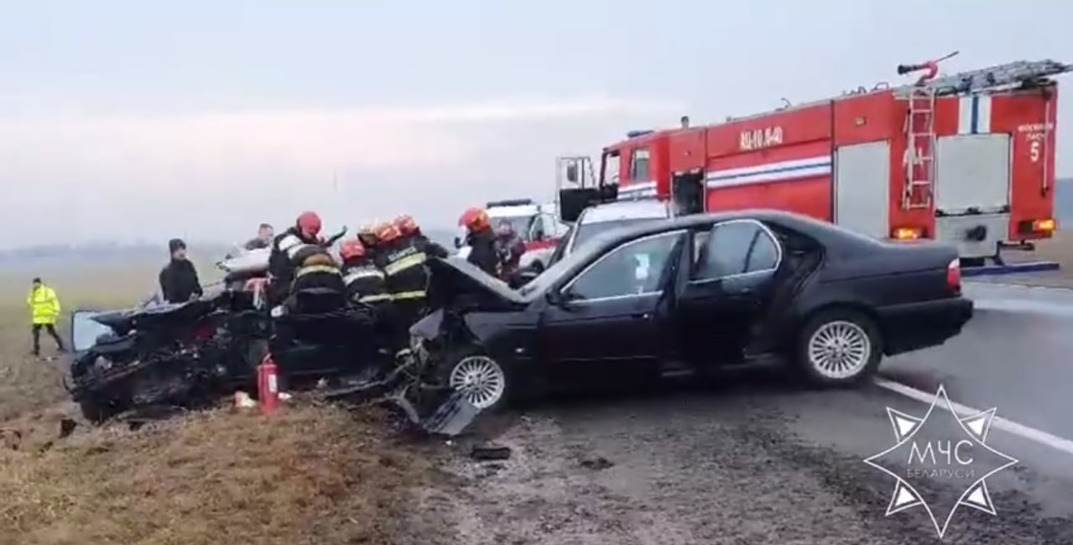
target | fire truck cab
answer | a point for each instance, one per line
(966, 159)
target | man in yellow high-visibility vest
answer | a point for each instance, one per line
(44, 310)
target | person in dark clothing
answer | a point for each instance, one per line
(264, 237)
(178, 280)
(509, 249)
(481, 240)
(289, 248)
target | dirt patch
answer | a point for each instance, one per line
(310, 475)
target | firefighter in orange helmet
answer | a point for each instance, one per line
(367, 238)
(402, 254)
(481, 240)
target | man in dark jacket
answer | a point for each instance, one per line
(178, 280)
(481, 240)
(264, 237)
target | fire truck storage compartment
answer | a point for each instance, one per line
(862, 188)
(972, 192)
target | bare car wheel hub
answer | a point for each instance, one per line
(839, 350)
(480, 379)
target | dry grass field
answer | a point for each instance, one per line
(311, 474)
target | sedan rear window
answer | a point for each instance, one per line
(731, 248)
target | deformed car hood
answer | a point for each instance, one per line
(453, 277)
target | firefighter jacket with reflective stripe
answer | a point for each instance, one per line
(403, 263)
(44, 305)
(365, 282)
(289, 249)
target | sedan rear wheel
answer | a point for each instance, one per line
(480, 379)
(839, 347)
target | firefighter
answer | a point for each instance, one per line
(367, 238)
(411, 234)
(481, 240)
(289, 248)
(364, 281)
(402, 258)
(318, 283)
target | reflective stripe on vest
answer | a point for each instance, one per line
(405, 263)
(403, 295)
(375, 298)
(316, 269)
(362, 273)
(290, 245)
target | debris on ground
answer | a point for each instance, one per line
(598, 463)
(490, 451)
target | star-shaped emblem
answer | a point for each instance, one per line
(925, 461)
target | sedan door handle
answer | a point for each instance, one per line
(642, 315)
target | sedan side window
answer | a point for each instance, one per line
(731, 248)
(631, 269)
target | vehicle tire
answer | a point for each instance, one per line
(838, 347)
(485, 382)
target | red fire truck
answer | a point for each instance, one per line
(967, 159)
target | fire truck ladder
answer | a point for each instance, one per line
(1009, 74)
(920, 152)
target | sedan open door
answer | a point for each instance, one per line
(723, 297)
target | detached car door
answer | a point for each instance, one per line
(723, 299)
(614, 309)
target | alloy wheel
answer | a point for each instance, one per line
(480, 379)
(839, 350)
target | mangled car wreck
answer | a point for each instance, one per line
(681, 294)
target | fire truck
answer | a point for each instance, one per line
(966, 159)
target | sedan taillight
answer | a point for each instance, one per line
(953, 276)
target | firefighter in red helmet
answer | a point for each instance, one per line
(481, 240)
(299, 249)
(364, 281)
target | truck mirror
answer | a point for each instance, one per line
(571, 173)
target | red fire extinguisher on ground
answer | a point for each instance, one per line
(268, 385)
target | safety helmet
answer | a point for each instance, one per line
(309, 223)
(352, 249)
(475, 220)
(387, 232)
(406, 224)
(367, 234)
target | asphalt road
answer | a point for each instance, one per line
(755, 458)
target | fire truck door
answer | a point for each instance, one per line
(687, 190)
(862, 188)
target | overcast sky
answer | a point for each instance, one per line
(146, 120)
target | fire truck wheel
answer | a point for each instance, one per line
(483, 380)
(838, 347)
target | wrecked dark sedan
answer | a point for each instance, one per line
(693, 293)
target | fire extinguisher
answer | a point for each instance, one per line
(268, 385)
